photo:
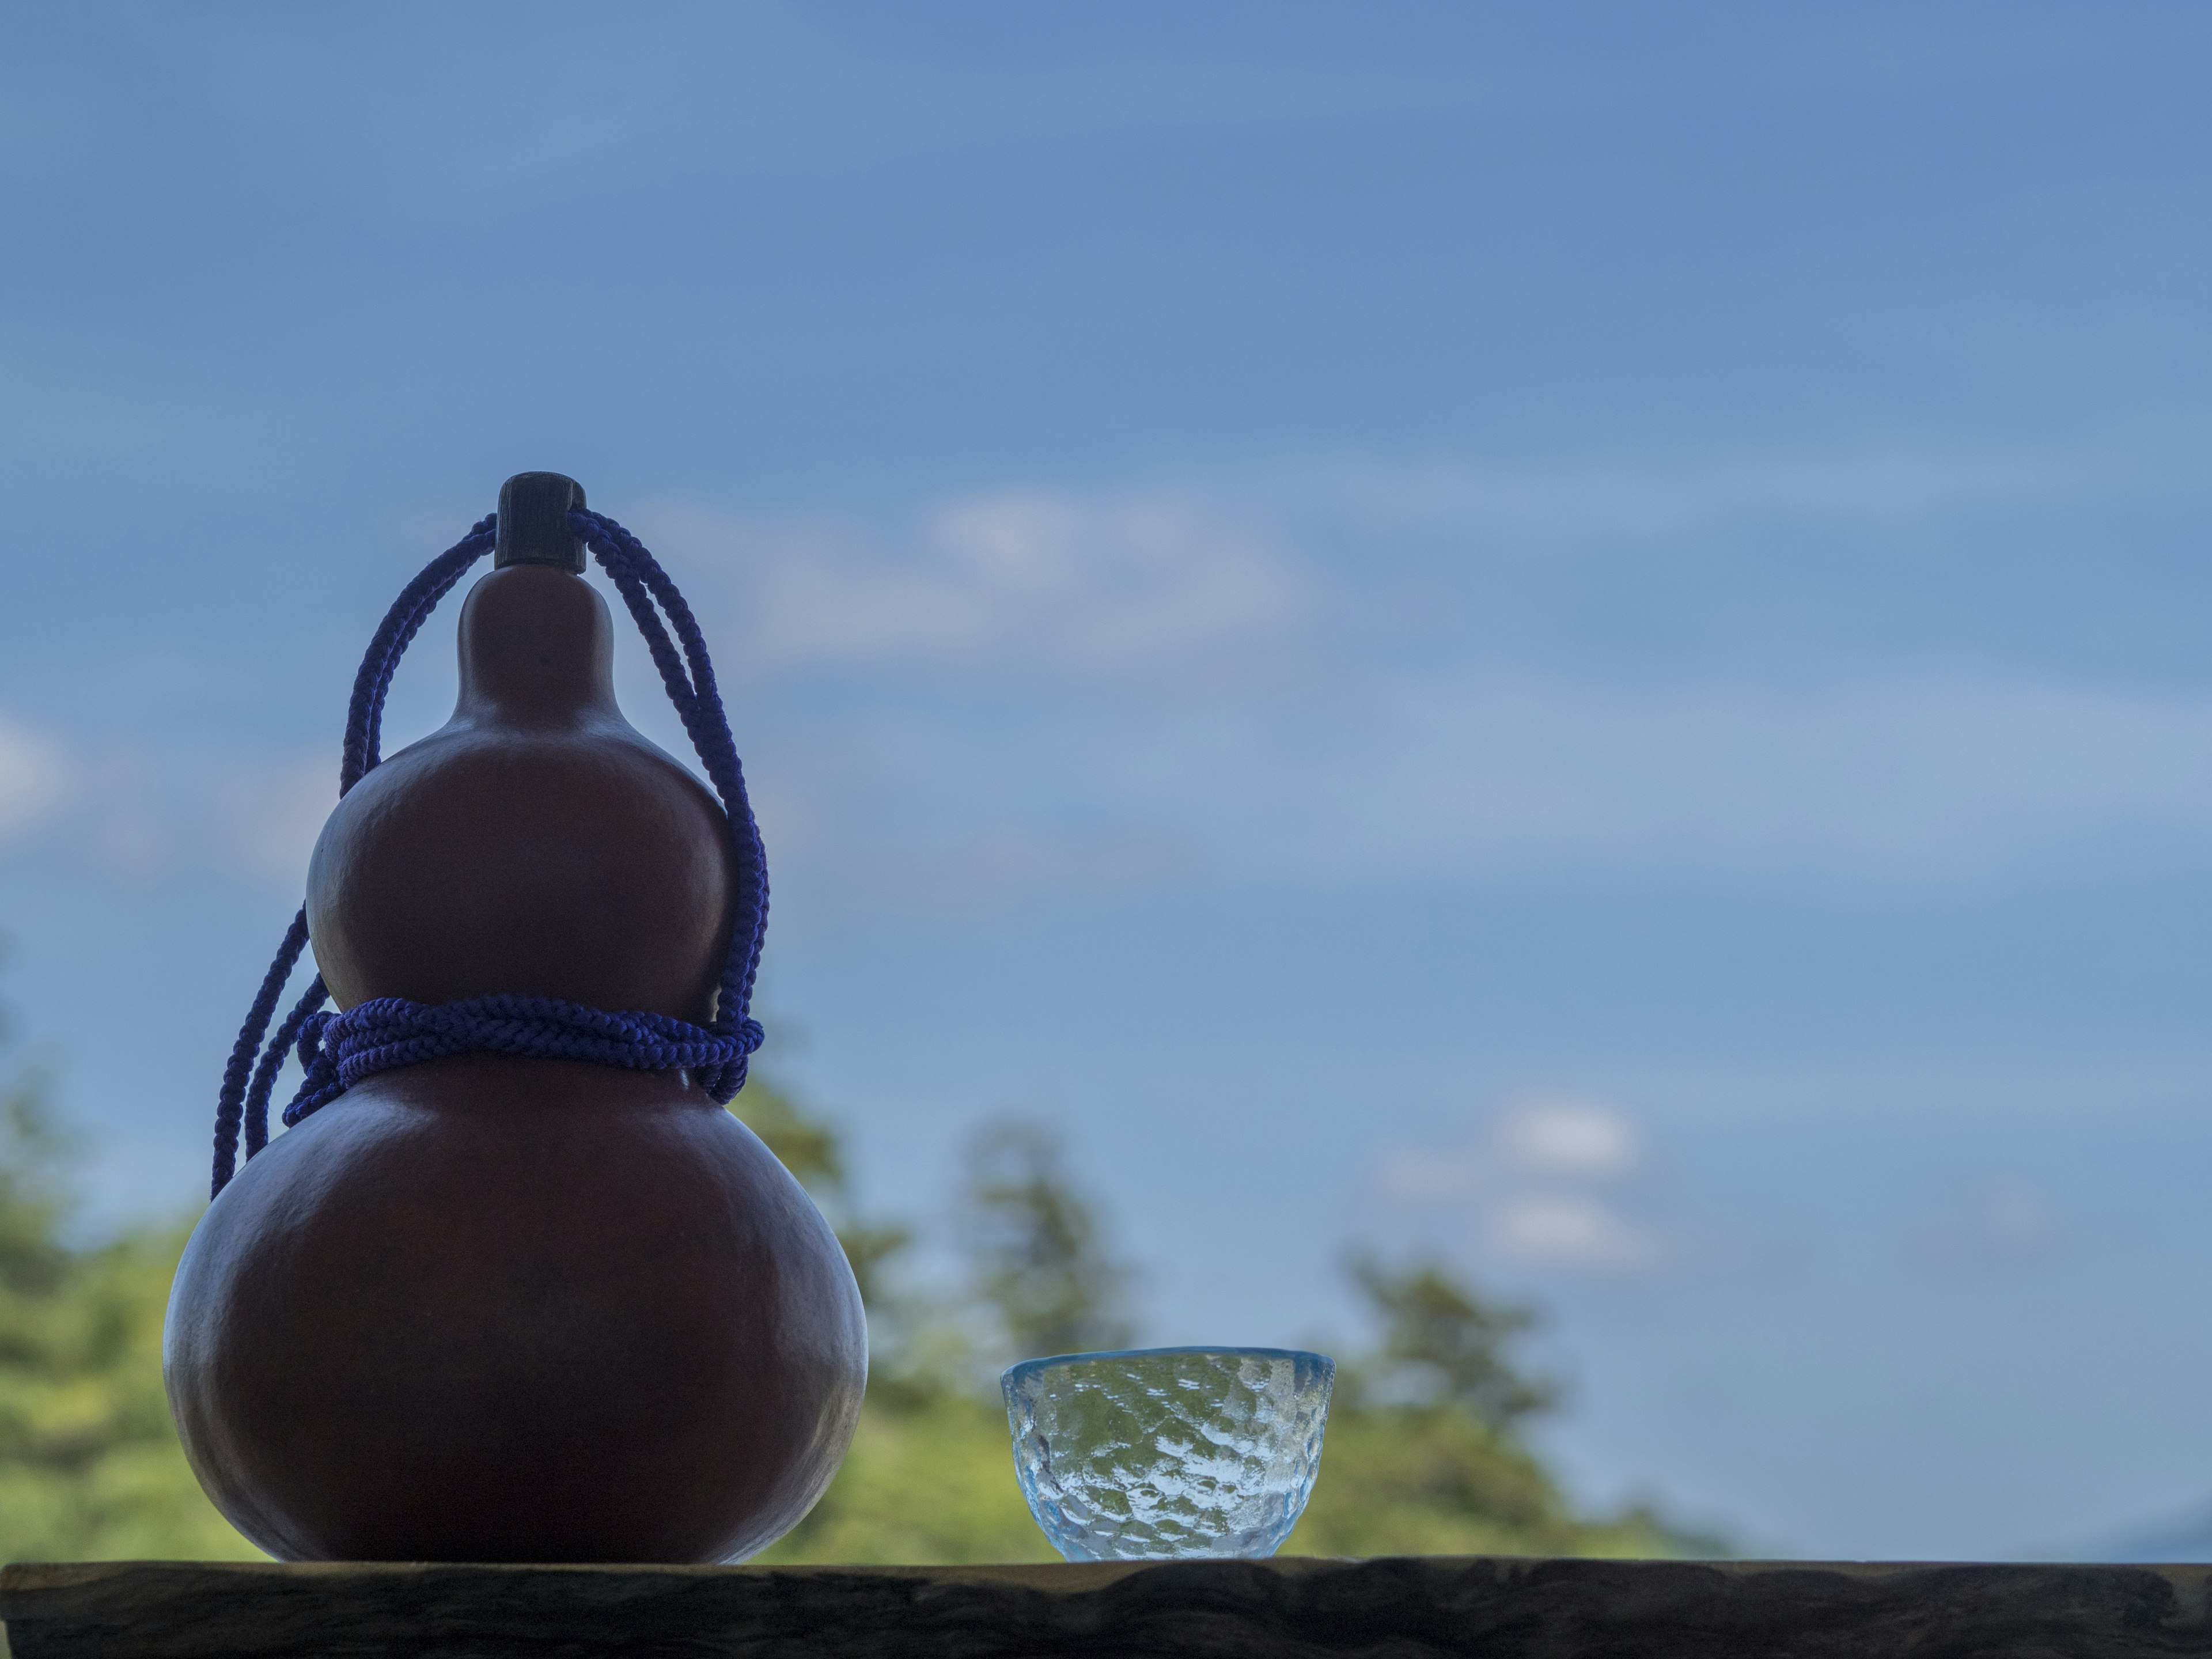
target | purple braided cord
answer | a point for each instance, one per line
(699, 702)
(339, 1049)
(364, 722)
(232, 1100)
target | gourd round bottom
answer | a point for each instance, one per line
(579, 1318)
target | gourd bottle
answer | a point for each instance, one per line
(497, 1308)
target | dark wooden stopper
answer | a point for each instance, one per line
(533, 522)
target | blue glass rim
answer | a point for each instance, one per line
(1017, 1373)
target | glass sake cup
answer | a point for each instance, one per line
(1164, 1454)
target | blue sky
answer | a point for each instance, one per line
(1575, 635)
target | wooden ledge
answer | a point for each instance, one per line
(1405, 1606)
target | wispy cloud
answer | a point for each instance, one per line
(1546, 502)
(1042, 690)
(1274, 730)
(1375, 777)
(271, 816)
(2006, 1228)
(1033, 576)
(1578, 1230)
(755, 89)
(1659, 501)
(1463, 776)
(175, 814)
(1543, 1186)
(36, 779)
(1583, 1140)
(824, 105)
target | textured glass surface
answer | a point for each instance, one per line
(1157, 1453)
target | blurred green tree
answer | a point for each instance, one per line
(90, 1467)
(1445, 1346)
(930, 1476)
(1424, 1452)
(1422, 1455)
(1038, 1248)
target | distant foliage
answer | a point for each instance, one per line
(930, 1477)
(1422, 1456)
(1423, 1453)
(1040, 1260)
(90, 1467)
(1444, 1346)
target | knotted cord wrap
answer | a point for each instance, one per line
(339, 1049)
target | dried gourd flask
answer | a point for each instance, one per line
(516, 1288)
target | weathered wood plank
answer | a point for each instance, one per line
(1402, 1608)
